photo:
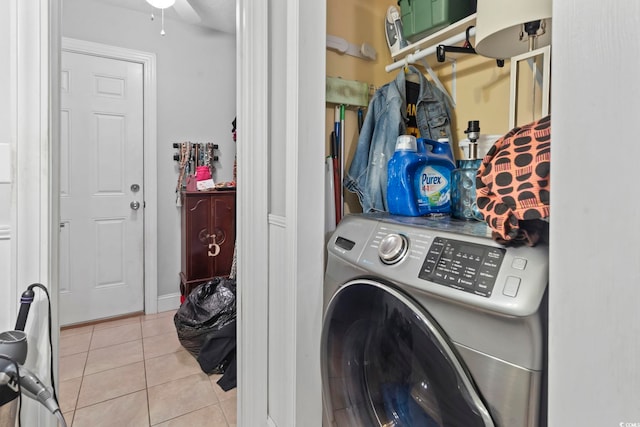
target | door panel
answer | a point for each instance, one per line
(101, 157)
(109, 154)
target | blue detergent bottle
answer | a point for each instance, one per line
(401, 173)
(432, 181)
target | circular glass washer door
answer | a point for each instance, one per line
(386, 362)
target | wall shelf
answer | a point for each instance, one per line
(433, 40)
(424, 50)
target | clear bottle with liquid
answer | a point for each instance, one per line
(463, 178)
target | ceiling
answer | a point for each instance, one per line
(219, 15)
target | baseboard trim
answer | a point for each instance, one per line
(168, 302)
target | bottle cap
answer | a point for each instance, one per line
(406, 143)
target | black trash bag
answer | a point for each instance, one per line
(218, 355)
(207, 309)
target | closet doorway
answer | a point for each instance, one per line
(190, 86)
(193, 96)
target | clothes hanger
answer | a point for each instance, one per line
(437, 82)
(409, 74)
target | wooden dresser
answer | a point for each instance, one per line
(208, 236)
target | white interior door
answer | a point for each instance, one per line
(101, 235)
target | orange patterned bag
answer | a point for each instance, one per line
(512, 184)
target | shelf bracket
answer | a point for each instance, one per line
(442, 49)
(466, 47)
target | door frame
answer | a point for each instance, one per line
(148, 61)
(252, 233)
(264, 236)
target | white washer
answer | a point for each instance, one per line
(429, 322)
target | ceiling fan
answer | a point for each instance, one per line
(182, 7)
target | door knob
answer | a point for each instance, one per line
(135, 205)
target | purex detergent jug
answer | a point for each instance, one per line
(419, 180)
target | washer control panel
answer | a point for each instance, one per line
(462, 265)
(452, 259)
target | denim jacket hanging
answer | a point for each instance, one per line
(386, 119)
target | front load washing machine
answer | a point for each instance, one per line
(429, 322)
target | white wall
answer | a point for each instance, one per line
(5, 167)
(196, 99)
(594, 342)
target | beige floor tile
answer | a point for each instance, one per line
(113, 357)
(116, 335)
(120, 364)
(68, 418)
(72, 366)
(69, 394)
(229, 407)
(222, 395)
(158, 345)
(114, 323)
(179, 397)
(169, 313)
(130, 410)
(113, 383)
(73, 344)
(158, 326)
(76, 331)
(170, 367)
(211, 416)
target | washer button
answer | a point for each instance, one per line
(511, 286)
(519, 263)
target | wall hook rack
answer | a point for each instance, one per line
(362, 51)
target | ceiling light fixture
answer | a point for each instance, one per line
(162, 5)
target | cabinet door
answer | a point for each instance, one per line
(223, 228)
(196, 219)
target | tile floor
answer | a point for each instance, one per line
(134, 372)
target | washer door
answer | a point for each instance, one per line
(386, 362)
